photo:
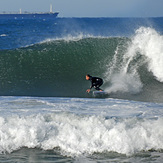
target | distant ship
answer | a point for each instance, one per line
(27, 15)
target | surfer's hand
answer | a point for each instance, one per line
(88, 90)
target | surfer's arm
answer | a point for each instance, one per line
(88, 90)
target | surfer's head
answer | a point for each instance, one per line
(88, 77)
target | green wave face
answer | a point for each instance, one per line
(55, 68)
(58, 68)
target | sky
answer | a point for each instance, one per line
(88, 8)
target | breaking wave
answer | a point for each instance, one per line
(76, 135)
(58, 67)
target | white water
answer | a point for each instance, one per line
(150, 44)
(123, 77)
(80, 126)
(3, 35)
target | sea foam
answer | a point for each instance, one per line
(78, 135)
(145, 48)
(150, 44)
(79, 126)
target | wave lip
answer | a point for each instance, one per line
(70, 37)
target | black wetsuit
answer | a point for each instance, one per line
(96, 82)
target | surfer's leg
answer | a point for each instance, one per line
(97, 88)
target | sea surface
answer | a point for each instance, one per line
(46, 114)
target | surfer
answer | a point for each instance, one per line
(96, 82)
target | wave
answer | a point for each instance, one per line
(131, 67)
(77, 135)
(80, 126)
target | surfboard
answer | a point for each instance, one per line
(100, 93)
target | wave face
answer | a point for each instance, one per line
(131, 68)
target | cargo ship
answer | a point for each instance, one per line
(27, 15)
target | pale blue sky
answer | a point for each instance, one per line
(89, 8)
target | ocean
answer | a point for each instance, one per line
(46, 114)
